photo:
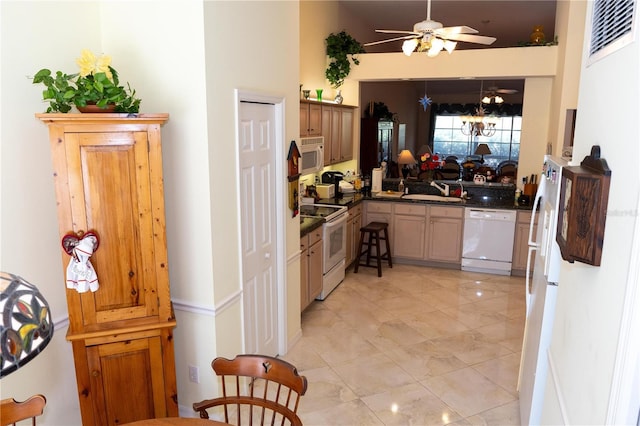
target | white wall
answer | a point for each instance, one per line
(591, 299)
(180, 57)
(31, 40)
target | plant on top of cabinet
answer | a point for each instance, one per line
(339, 46)
(96, 84)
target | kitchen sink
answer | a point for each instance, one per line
(430, 197)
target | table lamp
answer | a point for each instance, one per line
(26, 327)
(482, 150)
(406, 158)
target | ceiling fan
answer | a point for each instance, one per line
(492, 95)
(431, 37)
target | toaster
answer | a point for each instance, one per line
(326, 190)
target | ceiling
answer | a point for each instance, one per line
(510, 21)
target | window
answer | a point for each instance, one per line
(448, 139)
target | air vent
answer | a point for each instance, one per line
(611, 27)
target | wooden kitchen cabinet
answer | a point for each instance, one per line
(310, 118)
(445, 229)
(337, 129)
(409, 225)
(108, 179)
(380, 211)
(354, 223)
(521, 243)
(311, 267)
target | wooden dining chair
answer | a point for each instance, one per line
(256, 389)
(12, 411)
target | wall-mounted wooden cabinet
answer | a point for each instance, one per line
(335, 123)
(310, 118)
(108, 179)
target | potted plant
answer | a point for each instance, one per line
(340, 48)
(96, 84)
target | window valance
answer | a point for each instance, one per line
(470, 109)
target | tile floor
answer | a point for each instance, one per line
(418, 346)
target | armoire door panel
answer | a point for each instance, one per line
(111, 196)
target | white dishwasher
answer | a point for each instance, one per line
(487, 245)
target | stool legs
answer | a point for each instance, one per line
(373, 231)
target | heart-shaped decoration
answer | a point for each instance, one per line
(71, 240)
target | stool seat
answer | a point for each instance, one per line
(372, 232)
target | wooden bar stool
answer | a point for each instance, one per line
(372, 230)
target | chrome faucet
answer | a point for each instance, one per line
(463, 193)
(444, 189)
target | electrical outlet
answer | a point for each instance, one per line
(194, 374)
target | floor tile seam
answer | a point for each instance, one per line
(509, 391)
(455, 413)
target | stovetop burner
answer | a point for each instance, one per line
(325, 211)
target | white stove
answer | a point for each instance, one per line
(334, 242)
(326, 211)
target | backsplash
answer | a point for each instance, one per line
(489, 193)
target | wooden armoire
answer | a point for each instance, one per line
(107, 170)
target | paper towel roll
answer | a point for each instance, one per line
(376, 180)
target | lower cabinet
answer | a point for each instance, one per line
(421, 232)
(445, 229)
(354, 223)
(521, 243)
(409, 225)
(380, 211)
(126, 377)
(310, 267)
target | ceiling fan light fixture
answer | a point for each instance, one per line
(449, 46)
(409, 46)
(486, 100)
(498, 99)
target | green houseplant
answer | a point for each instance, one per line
(340, 48)
(97, 83)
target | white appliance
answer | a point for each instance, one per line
(376, 180)
(326, 190)
(334, 243)
(541, 292)
(487, 245)
(312, 154)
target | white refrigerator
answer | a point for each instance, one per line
(541, 292)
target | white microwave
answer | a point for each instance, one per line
(312, 152)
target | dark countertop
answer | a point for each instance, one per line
(308, 224)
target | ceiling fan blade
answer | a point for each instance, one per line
(397, 32)
(463, 29)
(507, 91)
(469, 38)
(373, 43)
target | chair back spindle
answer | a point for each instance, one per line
(267, 388)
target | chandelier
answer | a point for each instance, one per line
(429, 43)
(479, 124)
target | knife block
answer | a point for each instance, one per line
(530, 189)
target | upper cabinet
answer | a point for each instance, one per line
(310, 119)
(335, 123)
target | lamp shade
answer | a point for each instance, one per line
(482, 149)
(26, 327)
(406, 157)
